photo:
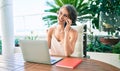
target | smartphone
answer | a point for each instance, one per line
(65, 24)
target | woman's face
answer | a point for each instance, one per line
(62, 15)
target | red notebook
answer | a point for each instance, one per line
(69, 62)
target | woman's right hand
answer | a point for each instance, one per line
(69, 22)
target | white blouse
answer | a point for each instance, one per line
(56, 47)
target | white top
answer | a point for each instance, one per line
(56, 47)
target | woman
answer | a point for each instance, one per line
(62, 38)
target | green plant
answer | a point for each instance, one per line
(116, 48)
(0, 47)
(96, 46)
(81, 6)
(16, 42)
(94, 11)
(108, 11)
(32, 36)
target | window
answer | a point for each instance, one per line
(28, 16)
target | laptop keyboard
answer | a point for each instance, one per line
(52, 60)
(55, 59)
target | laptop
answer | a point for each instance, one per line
(37, 51)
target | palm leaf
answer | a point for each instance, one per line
(85, 5)
(58, 3)
(50, 17)
(54, 21)
(75, 3)
(54, 10)
(51, 5)
(84, 17)
(85, 10)
(80, 5)
(66, 1)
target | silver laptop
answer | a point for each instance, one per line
(37, 51)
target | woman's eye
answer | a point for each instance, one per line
(60, 13)
(65, 15)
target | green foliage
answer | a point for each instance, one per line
(0, 47)
(97, 46)
(81, 6)
(116, 48)
(110, 10)
(32, 36)
(94, 11)
(88, 10)
(16, 42)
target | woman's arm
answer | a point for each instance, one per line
(70, 41)
(69, 38)
(49, 36)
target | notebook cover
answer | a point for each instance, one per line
(69, 62)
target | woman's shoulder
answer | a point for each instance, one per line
(51, 29)
(73, 30)
(73, 34)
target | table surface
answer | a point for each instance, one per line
(16, 63)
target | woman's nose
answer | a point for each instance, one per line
(61, 17)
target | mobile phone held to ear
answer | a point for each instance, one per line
(65, 24)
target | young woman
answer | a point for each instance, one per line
(62, 38)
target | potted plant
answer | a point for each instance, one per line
(107, 15)
(116, 48)
(110, 16)
(32, 36)
(108, 12)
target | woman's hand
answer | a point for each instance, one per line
(69, 22)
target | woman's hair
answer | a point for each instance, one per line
(72, 13)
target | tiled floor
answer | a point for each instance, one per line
(10, 64)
